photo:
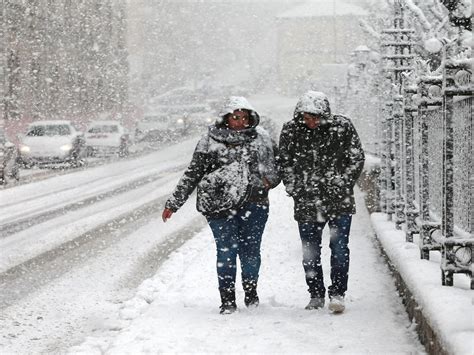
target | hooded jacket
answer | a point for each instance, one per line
(221, 146)
(320, 166)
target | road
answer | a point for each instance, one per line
(76, 245)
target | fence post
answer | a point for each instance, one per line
(386, 193)
(409, 90)
(399, 166)
(397, 45)
(427, 227)
(456, 82)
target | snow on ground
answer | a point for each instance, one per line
(85, 299)
(177, 310)
(448, 309)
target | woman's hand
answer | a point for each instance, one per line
(167, 213)
(266, 183)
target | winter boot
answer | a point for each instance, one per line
(228, 305)
(336, 304)
(315, 303)
(251, 297)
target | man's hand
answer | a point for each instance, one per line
(167, 213)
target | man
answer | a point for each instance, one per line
(321, 159)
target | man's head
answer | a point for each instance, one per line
(312, 109)
(311, 120)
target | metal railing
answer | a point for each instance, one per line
(419, 123)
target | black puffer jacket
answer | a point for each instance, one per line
(222, 146)
(320, 166)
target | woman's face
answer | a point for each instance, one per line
(238, 120)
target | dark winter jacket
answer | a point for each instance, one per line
(222, 146)
(320, 166)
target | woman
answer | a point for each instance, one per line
(233, 167)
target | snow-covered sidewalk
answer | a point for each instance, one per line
(446, 310)
(177, 310)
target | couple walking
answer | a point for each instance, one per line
(234, 166)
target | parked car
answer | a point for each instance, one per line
(52, 142)
(9, 167)
(107, 138)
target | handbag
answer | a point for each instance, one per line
(224, 189)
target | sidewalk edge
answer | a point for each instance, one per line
(428, 337)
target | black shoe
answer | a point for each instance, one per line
(228, 305)
(315, 303)
(227, 308)
(251, 297)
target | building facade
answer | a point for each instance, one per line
(62, 60)
(315, 41)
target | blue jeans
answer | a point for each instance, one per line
(239, 234)
(311, 234)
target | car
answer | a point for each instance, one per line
(9, 167)
(54, 141)
(107, 138)
(200, 121)
(161, 126)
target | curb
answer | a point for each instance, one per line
(428, 337)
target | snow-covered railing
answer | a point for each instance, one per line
(423, 137)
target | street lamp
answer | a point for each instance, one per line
(433, 45)
(362, 54)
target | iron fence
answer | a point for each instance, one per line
(419, 124)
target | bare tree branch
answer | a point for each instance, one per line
(369, 29)
(418, 13)
(437, 11)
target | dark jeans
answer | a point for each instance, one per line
(311, 234)
(240, 234)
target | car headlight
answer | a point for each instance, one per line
(180, 121)
(66, 147)
(24, 149)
